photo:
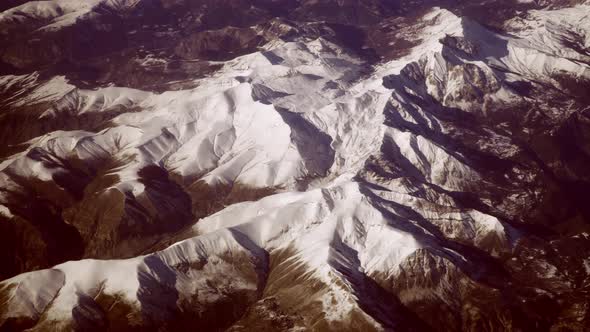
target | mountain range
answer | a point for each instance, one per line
(295, 165)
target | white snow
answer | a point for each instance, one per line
(51, 90)
(33, 291)
(220, 133)
(5, 212)
(59, 13)
(53, 15)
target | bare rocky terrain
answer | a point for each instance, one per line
(294, 165)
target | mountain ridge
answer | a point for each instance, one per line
(433, 182)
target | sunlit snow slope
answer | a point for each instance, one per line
(295, 167)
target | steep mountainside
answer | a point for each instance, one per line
(294, 165)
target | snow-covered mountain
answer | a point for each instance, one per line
(278, 165)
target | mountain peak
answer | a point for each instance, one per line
(294, 165)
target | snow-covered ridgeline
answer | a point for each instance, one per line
(237, 126)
